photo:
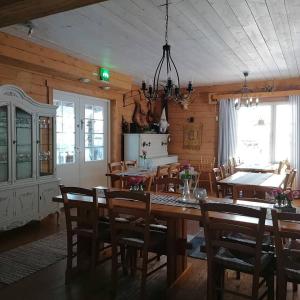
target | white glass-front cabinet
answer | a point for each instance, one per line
(27, 159)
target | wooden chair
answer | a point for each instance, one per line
(132, 235)
(129, 163)
(82, 221)
(251, 193)
(168, 185)
(287, 244)
(174, 170)
(115, 167)
(205, 166)
(224, 253)
(216, 177)
(162, 171)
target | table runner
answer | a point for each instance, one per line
(176, 200)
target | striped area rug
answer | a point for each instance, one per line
(27, 259)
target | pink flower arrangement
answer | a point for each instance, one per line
(144, 154)
(135, 180)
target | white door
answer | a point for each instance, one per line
(82, 139)
(93, 142)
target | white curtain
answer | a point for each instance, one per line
(227, 131)
(295, 155)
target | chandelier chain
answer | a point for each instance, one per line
(167, 21)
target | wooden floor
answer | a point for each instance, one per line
(49, 283)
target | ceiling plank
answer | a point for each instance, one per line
(16, 11)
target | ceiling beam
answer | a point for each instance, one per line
(19, 11)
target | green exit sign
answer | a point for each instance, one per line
(104, 74)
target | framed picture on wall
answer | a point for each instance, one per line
(192, 136)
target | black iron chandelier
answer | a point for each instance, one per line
(171, 88)
(245, 98)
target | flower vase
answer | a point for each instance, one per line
(186, 195)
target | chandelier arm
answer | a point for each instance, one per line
(157, 73)
(175, 71)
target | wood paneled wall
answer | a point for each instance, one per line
(203, 113)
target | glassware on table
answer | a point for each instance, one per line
(200, 194)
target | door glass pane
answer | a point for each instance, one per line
(65, 132)
(94, 153)
(45, 146)
(23, 144)
(283, 132)
(3, 143)
(254, 134)
(93, 132)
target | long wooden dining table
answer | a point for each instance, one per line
(176, 217)
(269, 180)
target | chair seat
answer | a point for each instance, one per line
(157, 241)
(234, 261)
(267, 242)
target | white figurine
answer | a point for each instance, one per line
(163, 123)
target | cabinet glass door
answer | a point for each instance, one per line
(3, 143)
(24, 168)
(45, 146)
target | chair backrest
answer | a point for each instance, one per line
(81, 207)
(251, 193)
(206, 163)
(129, 163)
(115, 167)
(225, 171)
(168, 184)
(286, 231)
(231, 166)
(291, 178)
(283, 166)
(162, 171)
(174, 170)
(133, 205)
(217, 175)
(216, 227)
(234, 162)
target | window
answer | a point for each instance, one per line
(65, 132)
(264, 133)
(93, 133)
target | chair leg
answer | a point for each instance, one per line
(270, 285)
(295, 287)
(69, 260)
(123, 260)
(144, 273)
(255, 286)
(280, 287)
(94, 254)
(114, 270)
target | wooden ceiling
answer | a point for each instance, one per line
(213, 41)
